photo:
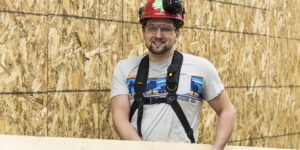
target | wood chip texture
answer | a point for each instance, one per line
(57, 59)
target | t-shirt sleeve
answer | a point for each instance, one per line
(212, 83)
(118, 85)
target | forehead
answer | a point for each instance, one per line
(160, 21)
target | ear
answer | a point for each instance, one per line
(143, 31)
(177, 32)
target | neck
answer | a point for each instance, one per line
(161, 57)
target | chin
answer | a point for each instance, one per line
(160, 51)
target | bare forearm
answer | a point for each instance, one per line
(225, 126)
(120, 114)
(126, 131)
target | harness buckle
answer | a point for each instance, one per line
(172, 87)
(171, 99)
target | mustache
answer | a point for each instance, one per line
(163, 41)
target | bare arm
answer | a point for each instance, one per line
(120, 113)
(226, 119)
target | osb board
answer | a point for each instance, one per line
(297, 19)
(256, 18)
(236, 59)
(88, 8)
(250, 19)
(207, 14)
(265, 112)
(240, 143)
(22, 57)
(196, 41)
(35, 6)
(279, 18)
(23, 114)
(221, 17)
(111, 9)
(232, 15)
(199, 42)
(293, 21)
(296, 48)
(297, 104)
(106, 130)
(261, 112)
(74, 114)
(238, 2)
(283, 68)
(253, 56)
(74, 54)
(221, 54)
(199, 14)
(291, 142)
(279, 142)
(292, 58)
(248, 60)
(190, 16)
(258, 3)
(131, 9)
(133, 41)
(234, 56)
(181, 45)
(111, 50)
(238, 18)
(260, 25)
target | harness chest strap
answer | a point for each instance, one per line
(171, 99)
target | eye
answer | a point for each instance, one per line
(166, 29)
(152, 28)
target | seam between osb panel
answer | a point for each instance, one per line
(53, 91)
(237, 4)
(108, 90)
(263, 86)
(263, 137)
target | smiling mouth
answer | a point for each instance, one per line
(158, 43)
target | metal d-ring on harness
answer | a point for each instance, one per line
(171, 99)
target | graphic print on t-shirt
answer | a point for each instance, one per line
(156, 87)
(196, 87)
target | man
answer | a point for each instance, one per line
(159, 97)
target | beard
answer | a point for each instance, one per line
(164, 50)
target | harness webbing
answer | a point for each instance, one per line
(171, 99)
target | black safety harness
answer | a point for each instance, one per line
(171, 99)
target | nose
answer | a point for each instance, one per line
(158, 33)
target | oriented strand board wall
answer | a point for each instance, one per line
(57, 57)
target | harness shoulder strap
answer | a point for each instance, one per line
(140, 84)
(139, 88)
(172, 86)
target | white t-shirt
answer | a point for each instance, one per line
(199, 80)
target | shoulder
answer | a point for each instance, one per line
(196, 60)
(198, 65)
(128, 66)
(130, 62)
